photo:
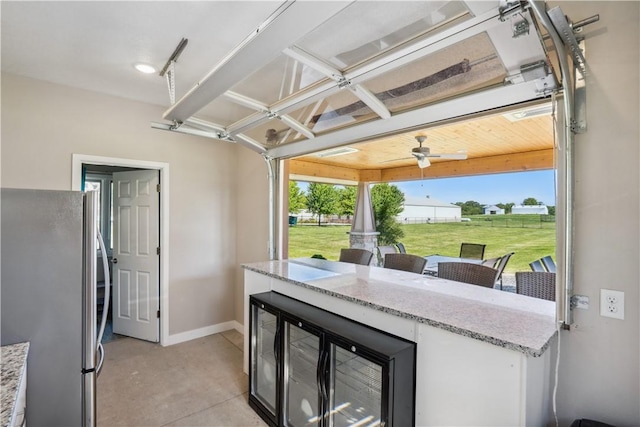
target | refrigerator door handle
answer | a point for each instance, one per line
(89, 352)
(105, 309)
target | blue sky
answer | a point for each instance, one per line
(511, 187)
(487, 189)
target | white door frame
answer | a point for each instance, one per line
(76, 184)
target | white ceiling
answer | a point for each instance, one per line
(94, 45)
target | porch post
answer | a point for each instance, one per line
(363, 234)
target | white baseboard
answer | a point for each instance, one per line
(202, 332)
(238, 326)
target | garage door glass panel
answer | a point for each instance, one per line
(223, 112)
(463, 67)
(366, 29)
(280, 78)
(336, 111)
(273, 132)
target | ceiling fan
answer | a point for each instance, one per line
(422, 154)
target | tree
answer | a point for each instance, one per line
(321, 199)
(552, 210)
(346, 201)
(506, 206)
(297, 199)
(470, 207)
(388, 202)
(530, 201)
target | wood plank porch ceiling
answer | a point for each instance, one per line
(494, 144)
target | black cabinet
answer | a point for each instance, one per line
(309, 367)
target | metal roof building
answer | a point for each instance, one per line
(493, 210)
(530, 209)
(427, 209)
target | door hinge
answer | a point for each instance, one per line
(158, 188)
(158, 314)
(158, 250)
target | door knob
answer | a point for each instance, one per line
(115, 260)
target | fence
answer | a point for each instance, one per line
(501, 221)
(513, 221)
(428, 220)
(309, 219)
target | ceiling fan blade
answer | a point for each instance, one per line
(452, 156)
(395, 160)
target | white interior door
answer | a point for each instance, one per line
(136, 259)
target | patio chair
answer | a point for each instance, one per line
(537, 284)
(549, 263)
(501, 266)
(472, 250)
(384, 250)
(537, 266)
(475, 274)
(355, 256)
(401, 248)
(405, 262)
(491, 262)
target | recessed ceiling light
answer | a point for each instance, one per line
(528, 113)
(145, 68)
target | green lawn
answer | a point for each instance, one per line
(529, 238)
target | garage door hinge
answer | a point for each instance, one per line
(158, 313)
(158, 250)
(158, 188)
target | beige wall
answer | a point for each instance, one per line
(599, 362)
(252, 234)
(43, 124)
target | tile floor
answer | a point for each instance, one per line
(196, 383)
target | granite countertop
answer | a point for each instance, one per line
(505, 319)
(14, 357)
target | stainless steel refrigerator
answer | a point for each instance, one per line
(48, 253)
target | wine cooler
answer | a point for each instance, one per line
(309, 367)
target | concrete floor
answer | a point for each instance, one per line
(196, 383)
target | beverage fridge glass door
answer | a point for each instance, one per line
(355, 389)
(264, 366)
(302, 373)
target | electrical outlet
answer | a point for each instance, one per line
(612, 303)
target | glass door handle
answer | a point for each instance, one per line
(276, 341)
(324, 375)
(321, 375)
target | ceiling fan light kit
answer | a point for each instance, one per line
(423, 162)
(422, 154)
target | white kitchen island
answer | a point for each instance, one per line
(481, 358)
